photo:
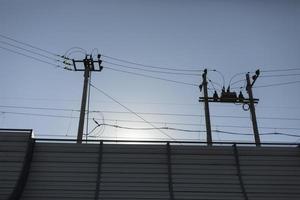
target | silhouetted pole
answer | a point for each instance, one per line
(252, 110)
(206, 108)
(83, 100)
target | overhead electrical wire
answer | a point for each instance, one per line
(131, 111)
(222, 76)
(152, 71)
(280, 70)
(135, 121)
(151, 66)
(37, 59)
(193, 131)
(30, 51)
(29, 45)
(278, 75)
(250, 134)
(150, 113)
(150, 76)
(276, 84)
(145, 128)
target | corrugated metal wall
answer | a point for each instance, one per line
(13, 148)
(65, 171)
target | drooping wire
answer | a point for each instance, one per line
(270, 133)
(74, 49)
(146, 128)
(131, 111)
(222, 76)
(34, 58)
(149, 76)
(234, 76)
(151, 66)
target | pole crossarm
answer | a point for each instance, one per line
(93, 65)
(227, 100)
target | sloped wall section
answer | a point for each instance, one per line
(63, 170)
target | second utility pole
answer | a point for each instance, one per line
(252, 108)
(206, 108)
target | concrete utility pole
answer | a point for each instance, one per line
(206, 108)
(252, 107)
(89, 66)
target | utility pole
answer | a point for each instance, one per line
(228, 96)
(89, 66)
(206, 108)
(252, 107)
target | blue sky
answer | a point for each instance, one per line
(229, 36)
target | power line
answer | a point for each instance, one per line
(26, 44)
(137, 102)
(279, 75)
(136, 121)
(151, 66)
(271, 133)
(33, 52)
(277, 84)
(37, 59)
(280, 70)
(131, 111)
(149, 76)
(150, 113)
(145, 129)
(194, 131)
(149, 70)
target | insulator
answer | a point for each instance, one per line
(257, 72)
(241, 97)
(215, 96)
(228, 89)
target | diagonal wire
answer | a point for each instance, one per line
(33, 52)
(107, 95)
(149, 76)
(26, 44)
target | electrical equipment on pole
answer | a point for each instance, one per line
(89, 65)
(228, 96)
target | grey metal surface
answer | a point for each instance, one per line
(13, 148)
(65, 171)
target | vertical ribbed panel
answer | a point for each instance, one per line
(201, 172)
(13, 147)
(69, 171)
(271, 173)
(63, 171)
(134, 172)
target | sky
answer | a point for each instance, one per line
(232, 37)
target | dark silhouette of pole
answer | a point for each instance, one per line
(206, 109)
(83, 100)
(252, 109)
